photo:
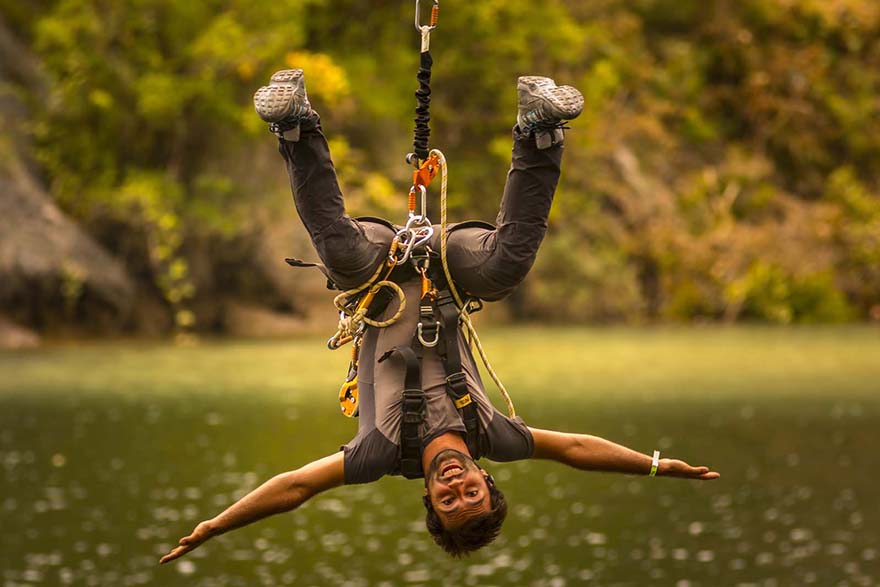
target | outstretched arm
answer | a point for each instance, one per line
(282, 493)
(591, 453)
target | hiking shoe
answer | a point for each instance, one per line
(544, 107)
(283, 103)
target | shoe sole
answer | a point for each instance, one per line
(277, 101)
(565, 102)
(286, 76)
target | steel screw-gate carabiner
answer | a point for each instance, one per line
(414, 191)
(435, 14)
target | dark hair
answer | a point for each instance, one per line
(473, 534)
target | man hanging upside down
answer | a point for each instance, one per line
(465, 509)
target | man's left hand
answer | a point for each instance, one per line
(680, 469)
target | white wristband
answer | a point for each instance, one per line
(655, 462)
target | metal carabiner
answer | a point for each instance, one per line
(412, 223)
(412, 202)
(423, 235)
(415, 237)
(420, 230)
(393, 250)
(407, 244)
(435, 15)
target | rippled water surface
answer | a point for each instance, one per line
(109, 453)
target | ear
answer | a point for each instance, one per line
(490, 481)
(426, 491)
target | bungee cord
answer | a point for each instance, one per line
(416, 233)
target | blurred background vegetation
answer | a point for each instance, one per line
(726, 168)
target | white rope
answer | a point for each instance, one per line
(464, 317)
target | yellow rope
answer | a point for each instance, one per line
(342, 299)
(399, 291)
(350, 321)
(464, 316)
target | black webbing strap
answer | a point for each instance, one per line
(442, 314)
(381, 300)
(413, 412)
(322, 268)
(456, 381)
(423, 114)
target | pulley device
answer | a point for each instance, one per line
(443, 312)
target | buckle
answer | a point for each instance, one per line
(474, 305)
(413, 406)
(457, 382)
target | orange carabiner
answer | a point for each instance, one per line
(426, 284)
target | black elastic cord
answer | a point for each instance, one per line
(423, 114)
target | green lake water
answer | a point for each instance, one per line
(110, 452)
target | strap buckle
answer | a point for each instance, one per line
(413, 406)
(457, 382)
(474, 305)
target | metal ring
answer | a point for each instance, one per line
(425, 343)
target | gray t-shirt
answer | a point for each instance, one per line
(375, 451)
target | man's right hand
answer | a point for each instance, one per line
(281, 493)
(200, 535)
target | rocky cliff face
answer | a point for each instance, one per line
(51, 271)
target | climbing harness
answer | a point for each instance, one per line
(443, 310)
(438, 329)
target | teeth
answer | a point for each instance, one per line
(451, 471)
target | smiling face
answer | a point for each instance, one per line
(457, 488)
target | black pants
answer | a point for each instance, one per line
(486, 263)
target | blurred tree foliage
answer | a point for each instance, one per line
(727, 165)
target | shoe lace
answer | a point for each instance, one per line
(545, 126)
(537, 120)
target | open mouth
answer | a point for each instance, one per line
(451, 470)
